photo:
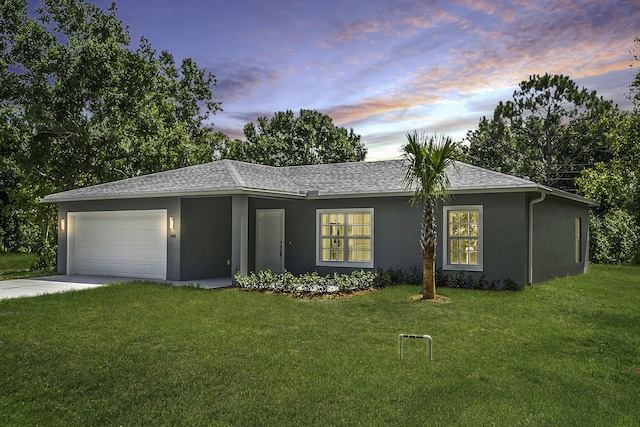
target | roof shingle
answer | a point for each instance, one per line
(328, 180)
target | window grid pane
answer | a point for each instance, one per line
(332, 249)
(346, 236)
(464, 233)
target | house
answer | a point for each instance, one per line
(214, 219)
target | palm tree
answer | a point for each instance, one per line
(427, 158)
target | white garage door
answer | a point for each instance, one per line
(119, 243)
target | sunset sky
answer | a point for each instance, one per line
(383, 67)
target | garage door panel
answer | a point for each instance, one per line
(120, 243)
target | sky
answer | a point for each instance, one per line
(388, 67)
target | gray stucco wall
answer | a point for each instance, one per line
(397, 230)
(554, 238)
(202, 243)
(172, 205)
(206, 238)
(396, 227)
(505, 231)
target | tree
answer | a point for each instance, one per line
(80, 106)
(286, 140)
(548, 132)
(615, 225)
(86, 106)
(428, 158)
(635, 85)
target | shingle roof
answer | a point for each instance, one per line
(225, 176)
(326, 180)
(349, 178)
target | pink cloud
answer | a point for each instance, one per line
(359, 28)
(370, 107)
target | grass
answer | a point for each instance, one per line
(18, 266)
(562, 353)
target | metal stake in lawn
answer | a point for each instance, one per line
(426, 337)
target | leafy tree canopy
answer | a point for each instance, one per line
(549, 131)
(286, 140)
(617, 183)
(79, 105)
(615, 231)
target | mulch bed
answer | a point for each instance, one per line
(438, 298)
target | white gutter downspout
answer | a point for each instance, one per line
(531, 203)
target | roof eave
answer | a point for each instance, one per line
(396, 193)
(159, 195)
(570, 196)
(313, 195)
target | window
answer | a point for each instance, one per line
(345, 237)
(463, 238)
(578, 234)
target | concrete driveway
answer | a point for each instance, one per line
(19, 288)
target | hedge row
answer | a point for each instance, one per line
(314, 284)
(464, 281)
(311, 283)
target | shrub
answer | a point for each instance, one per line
(459, 280)
(314, 284)
(307, 284)
(510, 285)
(47, 257)
(395, 277)
(614, 238)
(465, 281)
(482, 283)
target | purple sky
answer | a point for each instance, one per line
(386, 67)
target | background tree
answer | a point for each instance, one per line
(285, 140)
(428, 158)
(79, 105)
(634, 88)
(549, 132)
(615, 225)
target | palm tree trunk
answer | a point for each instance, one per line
(429, 275)
(428, 239)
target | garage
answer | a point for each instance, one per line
(118, 243)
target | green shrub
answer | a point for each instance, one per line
(307, 284)
(614, 238)
(47, 256)
(314, 284)
(462, 280)
(391, 276)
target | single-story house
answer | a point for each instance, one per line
(215, 219)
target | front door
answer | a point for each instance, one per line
(270, 240)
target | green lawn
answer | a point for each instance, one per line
(562, 353)
(18, 265)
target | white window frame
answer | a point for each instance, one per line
(345, 211)
(445, 238)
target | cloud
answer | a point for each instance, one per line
(432, 16)
(385, 65)
(236, 80)
(393, 19)
(509, 47)
(386, 145)
(473, 56)
(359, 28)
(367, 108)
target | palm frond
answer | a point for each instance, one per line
(428, 158)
